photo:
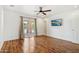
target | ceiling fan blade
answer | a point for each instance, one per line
(44, 13)
(46, 10)
(40, 8)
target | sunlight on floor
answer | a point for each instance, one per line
(29, 44)
(1, 44)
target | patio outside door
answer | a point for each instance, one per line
(29, 28)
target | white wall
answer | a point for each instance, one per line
(1, 26)
(40, 26)
(1, 23)
(11, 24)
(69, 30)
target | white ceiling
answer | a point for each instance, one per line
(30, 9)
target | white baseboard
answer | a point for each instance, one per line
(66, 39)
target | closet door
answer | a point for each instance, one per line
(75, 28)
(71, 28)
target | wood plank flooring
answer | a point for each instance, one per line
(12, 46)
(49, 44)
(43, 44)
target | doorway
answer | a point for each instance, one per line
(28, 27)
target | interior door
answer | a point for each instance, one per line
(71, 28)
(75, 28)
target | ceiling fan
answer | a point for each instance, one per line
(43, 11)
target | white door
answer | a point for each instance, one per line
(75, 27)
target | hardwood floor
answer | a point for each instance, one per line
(48, 44)
(12, 46)
(43, 44)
